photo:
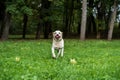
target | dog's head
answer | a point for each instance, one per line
(57, 35)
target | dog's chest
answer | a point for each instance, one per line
(58, 44)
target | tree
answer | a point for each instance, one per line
(83, 21)
(38, 30)
(7, 20)
(68, 16)
(26, 11)
(11, 8)
(46, 4)
(2, 15)
(112, 20)
(25, 21)
(100, 17)
(39, 24)
(91, 24)
(5, 23)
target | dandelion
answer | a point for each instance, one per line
(17, 59)
(73, 61)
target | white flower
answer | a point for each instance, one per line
(39, 5)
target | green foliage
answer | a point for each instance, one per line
(12, 9)
(18, 7)
(31, 60)
(26, 10)
(57, 10)
(16, 25)
(55, 14)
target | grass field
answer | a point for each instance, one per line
(31, 60)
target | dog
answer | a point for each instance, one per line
(57, 44)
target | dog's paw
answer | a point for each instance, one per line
(62, 56)
(54, 57)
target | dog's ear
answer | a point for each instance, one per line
(53, 33)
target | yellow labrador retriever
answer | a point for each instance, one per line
(57, 44)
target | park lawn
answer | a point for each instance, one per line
(31, 60)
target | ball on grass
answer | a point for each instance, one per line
(73, 61)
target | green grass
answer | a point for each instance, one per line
(96, 60)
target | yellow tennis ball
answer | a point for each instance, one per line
(73, 61)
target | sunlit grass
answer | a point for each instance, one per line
(31, 60)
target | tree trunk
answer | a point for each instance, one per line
(0, 25)
(71, 6)
(78, 28)
(1, 28)
(112, 20)
(38, 31)
(107, 19)
(83, 21)
(25, 20)
(2, 16)
(47, 30)
(89, 25)
(93, 24)
(68, 16)
(119, 25)
(100, 17)
(65, 18)
(47, 23)
(6, 26)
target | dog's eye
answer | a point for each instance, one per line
(59, 32)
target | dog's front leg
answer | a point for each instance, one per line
(62, 51)
(53, 52)
(59, 51)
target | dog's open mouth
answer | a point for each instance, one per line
(57, 36)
